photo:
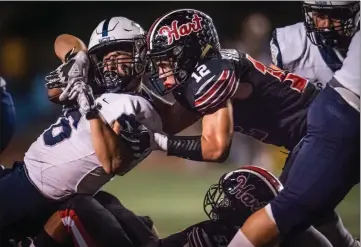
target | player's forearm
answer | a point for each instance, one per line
(216, 149)
(172, 125)
(111, 152)
(195, 148)
(214, 143)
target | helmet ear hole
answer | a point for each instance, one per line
(177, 50)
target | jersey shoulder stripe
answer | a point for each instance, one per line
(216, 90)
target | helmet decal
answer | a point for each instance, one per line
(174, 32)
(243, 191)
(240, 193)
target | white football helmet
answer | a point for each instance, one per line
(347, 12)
(120, 36)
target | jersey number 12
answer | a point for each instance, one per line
(202, 72)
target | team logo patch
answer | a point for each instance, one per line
(175, 32)
(105, 39)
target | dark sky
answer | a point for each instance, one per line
(31, 19)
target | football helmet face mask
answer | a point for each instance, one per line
(176, 43)
(330, 23)
(117, 51)
(240, 193)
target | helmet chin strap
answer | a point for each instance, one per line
(205, 50)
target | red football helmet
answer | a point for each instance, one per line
(240, 193)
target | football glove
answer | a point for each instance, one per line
(74, 70)
(85, 97)
(137, 136)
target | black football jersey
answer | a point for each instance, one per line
(219, 234)
(212, 233)
(275, 112)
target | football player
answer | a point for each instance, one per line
(228, 89)
(334, 165)
(272, 105)
(84, 149)
(316, 50)
(99, 220)
(7, 116)
(228, 203)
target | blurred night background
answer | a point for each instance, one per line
(170, 190)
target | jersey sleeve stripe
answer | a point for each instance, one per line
(203, 87)
(230, 87)
(212, 90)
(223, 92)
(231, 90)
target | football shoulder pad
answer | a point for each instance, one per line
(211, 84)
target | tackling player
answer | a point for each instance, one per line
(329, 157)
(316, 50)
(228, 89)
(228, 203)
(269, 104)
(84, 149)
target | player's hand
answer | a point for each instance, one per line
(84, 95)
(75, 69)
(154, 141)
(139, 141)
(137, 136)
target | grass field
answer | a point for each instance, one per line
(174, 199)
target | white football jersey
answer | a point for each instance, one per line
(62, 160)
(292, 50)
(350, 75)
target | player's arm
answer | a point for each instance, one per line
(214, 143)
(111, 151)
(217, 132)
(212, 100)
(172, 125)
